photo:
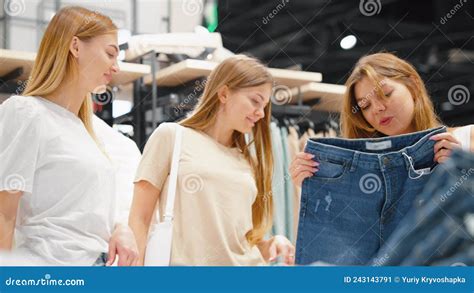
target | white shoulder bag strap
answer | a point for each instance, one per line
(169, 211)
(158, 250)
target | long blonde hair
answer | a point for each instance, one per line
(240, 72)
(376, 67)
(54, 63)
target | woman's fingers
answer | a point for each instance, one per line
(445, 144)
(445, 140)
(442, 155)
(302, 167)
(303, 155)
(302, 176)
(305, 169)
(290, 255)
(283, 252)
(112, 253)
(303, 162)
(127, 257)
(297, 164)
(446, 136)
(304, 158)
(442, 160)
(272, 252)
(285, 249)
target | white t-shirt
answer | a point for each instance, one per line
(463, 135)
(125, 157)
(68, 209)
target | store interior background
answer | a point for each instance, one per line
(436, 36)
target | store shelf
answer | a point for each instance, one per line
(130, 72)
(190, 69)
(11, 60)
(330, 95)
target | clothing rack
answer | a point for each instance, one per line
(154, 102)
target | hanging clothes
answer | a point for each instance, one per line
(293, 149)
(288, 186)
(278, 182)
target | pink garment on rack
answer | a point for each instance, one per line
(293, 149)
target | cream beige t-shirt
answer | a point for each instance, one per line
(215, 193)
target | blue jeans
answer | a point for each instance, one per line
(363, 188)
(101, 260)
(435, 231)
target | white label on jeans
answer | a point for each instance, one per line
(375, 146)
(423, 171)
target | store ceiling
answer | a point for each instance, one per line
(436, 36)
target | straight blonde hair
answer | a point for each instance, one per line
(376, 67)
(241, 72)
(54, 63)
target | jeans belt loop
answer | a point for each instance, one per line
(355, 160)
(408, 161)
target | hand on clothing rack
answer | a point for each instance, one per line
(278, 246)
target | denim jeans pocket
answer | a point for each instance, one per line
(328, 193)
(421, 173)
(330, 169)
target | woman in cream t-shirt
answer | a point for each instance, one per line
(223, 207)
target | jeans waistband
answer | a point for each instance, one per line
(371, 151)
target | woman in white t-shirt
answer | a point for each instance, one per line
(223, 207)
(56, 183)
